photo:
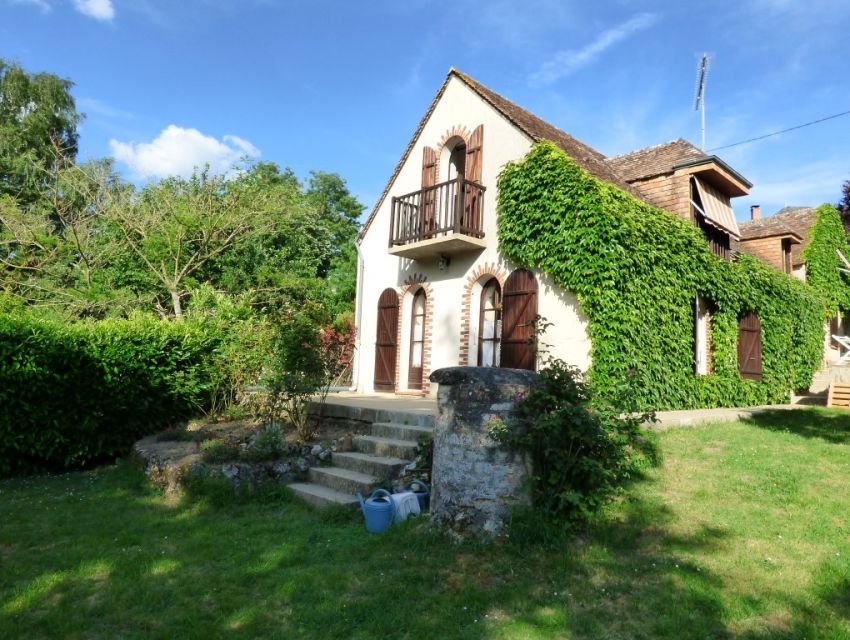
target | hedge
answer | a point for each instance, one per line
(636, 271)
(78, 393)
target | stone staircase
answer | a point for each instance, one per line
(375, 459)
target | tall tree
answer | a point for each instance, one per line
(335, 204)
(844, 204)
(38, 129)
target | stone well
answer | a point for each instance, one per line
(474, 480)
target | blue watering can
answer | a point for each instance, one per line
(422, 493)
(378, 510)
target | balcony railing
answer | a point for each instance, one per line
(449, 209)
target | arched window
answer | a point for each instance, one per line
(417, 340)
(385, 341)
(490, 324)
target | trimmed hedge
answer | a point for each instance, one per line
(636, 271)
(73, 394)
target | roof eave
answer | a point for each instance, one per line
(690, 164)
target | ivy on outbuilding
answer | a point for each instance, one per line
(825, 238)
(637, 271)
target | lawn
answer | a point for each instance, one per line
(742, 533)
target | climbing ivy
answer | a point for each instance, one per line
(636, 271)
(827, 236)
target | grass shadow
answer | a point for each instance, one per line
(831, 425)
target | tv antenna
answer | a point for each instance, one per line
(699, 103)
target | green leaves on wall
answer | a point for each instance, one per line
(636, 271)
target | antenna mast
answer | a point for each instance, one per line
(699, 103)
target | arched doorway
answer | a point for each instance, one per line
(519, 303)
(417, 340)
(386, 347)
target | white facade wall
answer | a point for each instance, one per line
(459, 108)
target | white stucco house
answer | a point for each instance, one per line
(433, 290)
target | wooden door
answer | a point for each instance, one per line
(386, 339)
(749, 347)
(519, 312)
(417, 341)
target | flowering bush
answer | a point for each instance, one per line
(309, 354)
(581, 450)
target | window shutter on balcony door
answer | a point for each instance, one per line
(473, 154)
(429, 179)
(472, 199)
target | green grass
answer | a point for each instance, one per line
(742, 533)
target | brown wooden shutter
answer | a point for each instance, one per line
(429, 198)
(471, 220)
(386, 341)
(749, 347)
(519, 311)
(474, 149)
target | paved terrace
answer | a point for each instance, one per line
(428, 406)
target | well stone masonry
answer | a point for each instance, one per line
(474, 480)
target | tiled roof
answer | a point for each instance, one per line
(587, 157)
(787, 221)
(655, 160)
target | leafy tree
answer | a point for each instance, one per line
(334, 203)
(38, 129)
(176, 227)
(56, 253)
(843, 205)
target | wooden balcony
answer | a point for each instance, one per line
(443, 219)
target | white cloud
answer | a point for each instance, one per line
(97, 9)
(179, 151)
(100, 108)
(566, 62)
(40, 4)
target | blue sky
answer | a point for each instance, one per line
(340, 86)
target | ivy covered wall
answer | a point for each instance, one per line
(636, 271)
(825, 237)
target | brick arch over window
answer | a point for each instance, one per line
(411, 285)
(457, 131)
(479, 273)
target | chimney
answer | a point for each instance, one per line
(755, 212)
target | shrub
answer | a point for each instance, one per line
(309, 353)
(268, 444)
(581, 453)
(216, 451)
(78, 393)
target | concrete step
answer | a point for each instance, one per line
(320, 496)
(343, 480)
(400, 431)
(810, 399)
(357, 412)
(376, 445)
(378, 466)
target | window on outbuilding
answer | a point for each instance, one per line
(749, 347)
(787, 265)
(702, 336)
(712, 213)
